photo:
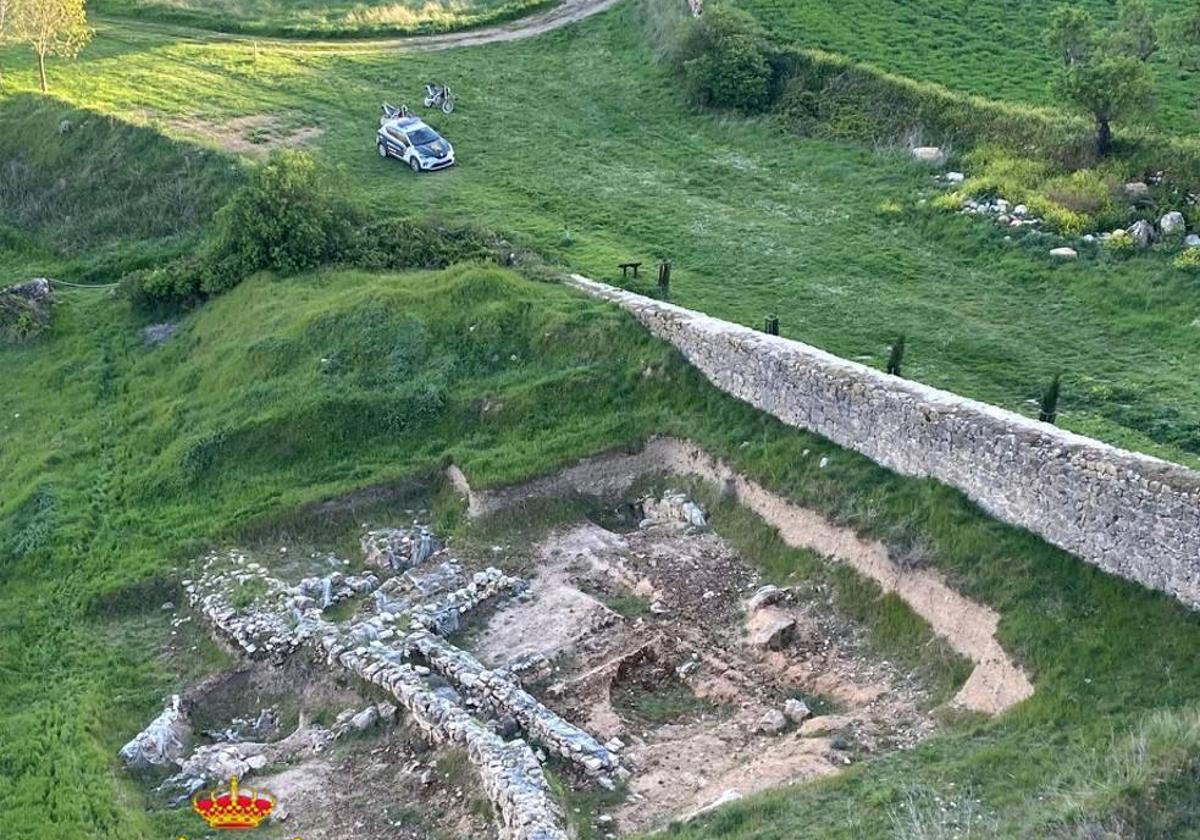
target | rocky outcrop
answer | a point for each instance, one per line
(162, 742)
(25, 309)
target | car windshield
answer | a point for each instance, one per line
(423, 136)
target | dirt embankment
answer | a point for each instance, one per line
(997, 682)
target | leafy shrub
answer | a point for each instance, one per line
(1057, 218)
(287, 220)
(1084, 191)
(1189, 260)
(722, 61)
(1120, 243)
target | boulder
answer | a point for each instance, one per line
(771, 723)
(1020, 211)
(1064, 253)
(1192, 240)
(365, 719)
(932, 155)
(1172, 223)
(796, 711)
(162, 742)
(1142, 233)
(1137, 189)
(25, 310)
(764, 597)
(770, 628)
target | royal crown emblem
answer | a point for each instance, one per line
(233, 808)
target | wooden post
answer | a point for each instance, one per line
(772, 325)
(664, 276)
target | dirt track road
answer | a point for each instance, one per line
(559, 16)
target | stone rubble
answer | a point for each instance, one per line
(282, 618)
(672, 507)
(500, 694)
(399, 548)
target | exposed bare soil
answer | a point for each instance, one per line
(675, 678)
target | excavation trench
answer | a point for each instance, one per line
(997, 681)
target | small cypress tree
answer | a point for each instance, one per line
(896, 356)
(1049, 406)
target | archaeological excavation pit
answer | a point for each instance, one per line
(633, 655)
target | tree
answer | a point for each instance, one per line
(1106, 77)
(51, 28)
(7, 25)
(1072, 34)
(722, 60)
(1135, 34)
(1108, 88)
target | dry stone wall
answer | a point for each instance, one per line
(1129, 514)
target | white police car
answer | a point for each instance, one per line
(410, 139)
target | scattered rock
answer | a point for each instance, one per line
(1192, 240)
(771, 723)
(1137, 189)
(770, 628)
(1064, 253)
(796, 711)
(157, 334)
(824, 724)
(65, 127)
(1142, 233)
(955, 177)
(25, 310)
(1021, 211)
(931, 155)
(765, 597)
(364, 720)
(1172, 223)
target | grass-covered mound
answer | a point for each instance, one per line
(325, 18)
(89, 192)
(123, 461)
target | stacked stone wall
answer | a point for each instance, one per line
(1130, 514)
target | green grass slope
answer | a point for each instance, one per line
(325, 18)
(121, 462)
(577, 144)
(994, 49)
(88, 195)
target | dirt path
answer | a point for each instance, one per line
(564, 14)
(997, 681)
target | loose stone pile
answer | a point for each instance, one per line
(443, 617)
(511, 776)
(399, 548)
(275, 628)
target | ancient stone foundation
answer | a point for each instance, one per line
(1130, 514)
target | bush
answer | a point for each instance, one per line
(286, 219)
(722, 61)
(1189, 260)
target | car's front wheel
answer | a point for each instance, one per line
(381, 147)
(414, 164)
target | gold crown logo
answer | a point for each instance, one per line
(232, 808)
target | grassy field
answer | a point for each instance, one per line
(325, 18)
(577, 145)
(122, 462)
(995, 49)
